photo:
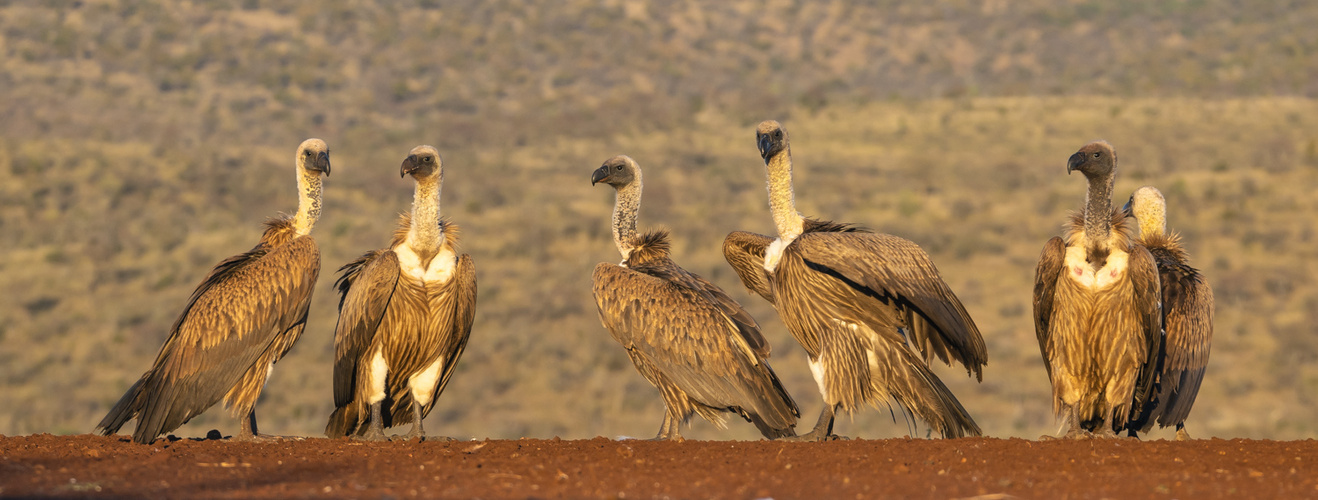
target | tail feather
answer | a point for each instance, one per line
(123, 411)
(343, 422)
(925, 396)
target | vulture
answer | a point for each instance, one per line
(703, 352)
(1096, 308)
(241, 319)
(1187, 319)
(870, 309)
(405, 314)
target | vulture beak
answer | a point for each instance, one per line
(1074, 162)
(409, 165)
(322, 163)
(766, 146)
(1126, 207)
(600, 175)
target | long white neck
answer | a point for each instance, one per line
(782, 203)
(424, 236)
(625, 207)
(308, 202)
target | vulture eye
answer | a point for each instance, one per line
(777, 134)
(308, 153)
(1097, 154)
(619, 167)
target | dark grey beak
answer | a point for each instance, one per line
(600, 175)
(322, 163)
(766, 146)
(409, 165)
(1126, 207)
(1074, 162)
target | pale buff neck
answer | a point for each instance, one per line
(424, 235)
(1098, 211)
(625, 207)
(782, 203)
(308, 203)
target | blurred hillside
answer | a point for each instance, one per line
(141, 142)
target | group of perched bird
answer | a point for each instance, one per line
(1124, 323)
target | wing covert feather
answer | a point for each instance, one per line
(695, 345)
(896, 268)
(1046, 275)
(366, 286)
(744, 251)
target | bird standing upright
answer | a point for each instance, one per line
(1096, 307)
(239, 321)
(1187, 320)
(405, 313)
(870, 309)
(695, 344)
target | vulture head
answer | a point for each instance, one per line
(1148, 206)
(422, 162)
(313, 156)
(618, 171)
(771, 139)
(1096, 160)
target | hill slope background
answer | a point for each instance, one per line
(143, 141)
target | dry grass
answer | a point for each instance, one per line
(145, 142)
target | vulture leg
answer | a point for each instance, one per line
(670, 429)
(376, 430)
(249, 431)
(1181, 434)
(823, 430)
(1107, 431)
(1077, 431)
(418, 431)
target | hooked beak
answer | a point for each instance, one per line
(765, 146)
(600, 175)
(409, 165)
(320, 164)
(1126, 208)
(1074, 162)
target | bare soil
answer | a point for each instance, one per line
(84, 465)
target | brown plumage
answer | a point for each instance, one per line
(870, 309)
(405, 314)
(239, 321)
(1187, 320)
(686, 336)
(1096, 307)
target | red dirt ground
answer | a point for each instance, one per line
(75, 466)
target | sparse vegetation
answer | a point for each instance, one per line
(143, 141)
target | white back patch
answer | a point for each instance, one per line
(774, 253)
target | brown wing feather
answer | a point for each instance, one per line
(246, 306)
(1143, 272)
(898, 273)
(463, 294)
(1046, 275)
(366, 286)
(744, 251)
(1188, 309)
(695, 345)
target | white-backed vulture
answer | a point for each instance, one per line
(1187, 320)
(1096, 307)
(686, 336)
(405, 314)
(870, 309)
(239, 321)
